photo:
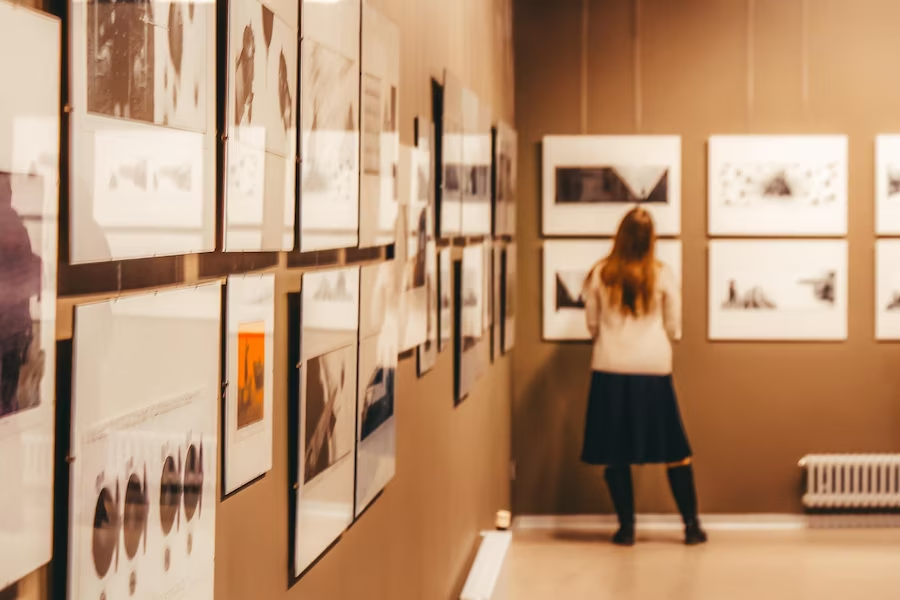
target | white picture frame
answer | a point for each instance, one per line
(566, 265)
(29, 200)
(445, 299)
(476, 203)
(261, 121)
(142, 177)
(778, 185)
(509, 297)
(452, 164)
(887, 182)
(132, 429)
(410, 252)
(887, 290)
(778, 290)
(506, 141)
(250, 379)
(591, 181)
(380, 129)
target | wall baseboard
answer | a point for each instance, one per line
(712, 522)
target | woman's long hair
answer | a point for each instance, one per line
(629, 272)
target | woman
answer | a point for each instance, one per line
(632, 307)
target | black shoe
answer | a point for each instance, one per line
(694, 535)
(624, 537)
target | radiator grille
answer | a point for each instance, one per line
(852, 481)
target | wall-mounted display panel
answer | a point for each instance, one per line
(250, 376)
(143, 493)
(445, 299)
(887, 185)
(566, 266)
(509, 297)
(778, 290)
(328, 388)
(380, 193)
(143, 129)
(452, 171)
(376, 454)
(591, 182)
(261, 121)
(505, 174)
(778, 185)
(329, 122)
(887, 290)
(29, 198)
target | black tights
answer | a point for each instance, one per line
(681, 481)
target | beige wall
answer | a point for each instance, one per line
(696, 68)
(417, 541)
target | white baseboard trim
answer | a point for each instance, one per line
(711, 522)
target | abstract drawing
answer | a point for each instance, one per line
(330, 393)
(887, 184)
(251, 373)
(887, 289)
(590, 182)
(505, 174)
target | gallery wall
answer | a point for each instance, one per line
(697, 68)
(419, 537)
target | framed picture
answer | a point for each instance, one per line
(380, 193)
(378, 349)
(261, 121)
(143, 492)
(509, 297)
(29, 200)
(445, 299)
(470, 319)
(505, 177)
(143, 129)
(887, 290)
(476, 204)
(778, 290)
(411, 252)
(453, 177)
(497, 301)
(250, 376)
(329, 125)
(427, 352)
(591, 182)
(887, 184)
(566, 266)
(326, 457)
(778, 185)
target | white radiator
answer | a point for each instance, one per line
(852, 481)
(484, 581)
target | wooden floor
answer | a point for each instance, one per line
(788, 565)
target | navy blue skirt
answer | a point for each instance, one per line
(633, 420)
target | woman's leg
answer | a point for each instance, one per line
(622, 491)
(681, 480)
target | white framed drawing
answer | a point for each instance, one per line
(143, 131)
(29, 200)
(327, 415)
(471, 322)
(887, 185)
(566, 266)
(476, 203)
(329, 123)
(591, 182)
(379, 194)
(411, 252)
(445, 299)
(250, 377)
(261, 121)
(144, 480)
(509, 297)
(452, 171)
(774, 185)
(376, 455)
(887, 290)
(505, 179)
(778, 290)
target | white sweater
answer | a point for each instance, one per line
(633, 345)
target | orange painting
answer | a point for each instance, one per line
(251, 373)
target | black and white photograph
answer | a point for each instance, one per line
(331, 316)
(470, 319)
(445, 299)
(29, 201)
(250, 375)
(778, 185)
(380, 191)
(505, 174)
(410, 253)
(134, 426)
(262, 127)
(428, 351)
(778, 290)
(453, 176)
(590, 182)
(476, 209)
(887, 289)
(509, 298)
(328, 410)
(330, 152)
(142, 69)
(497, 301)
(887, 184)
(566, 267)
